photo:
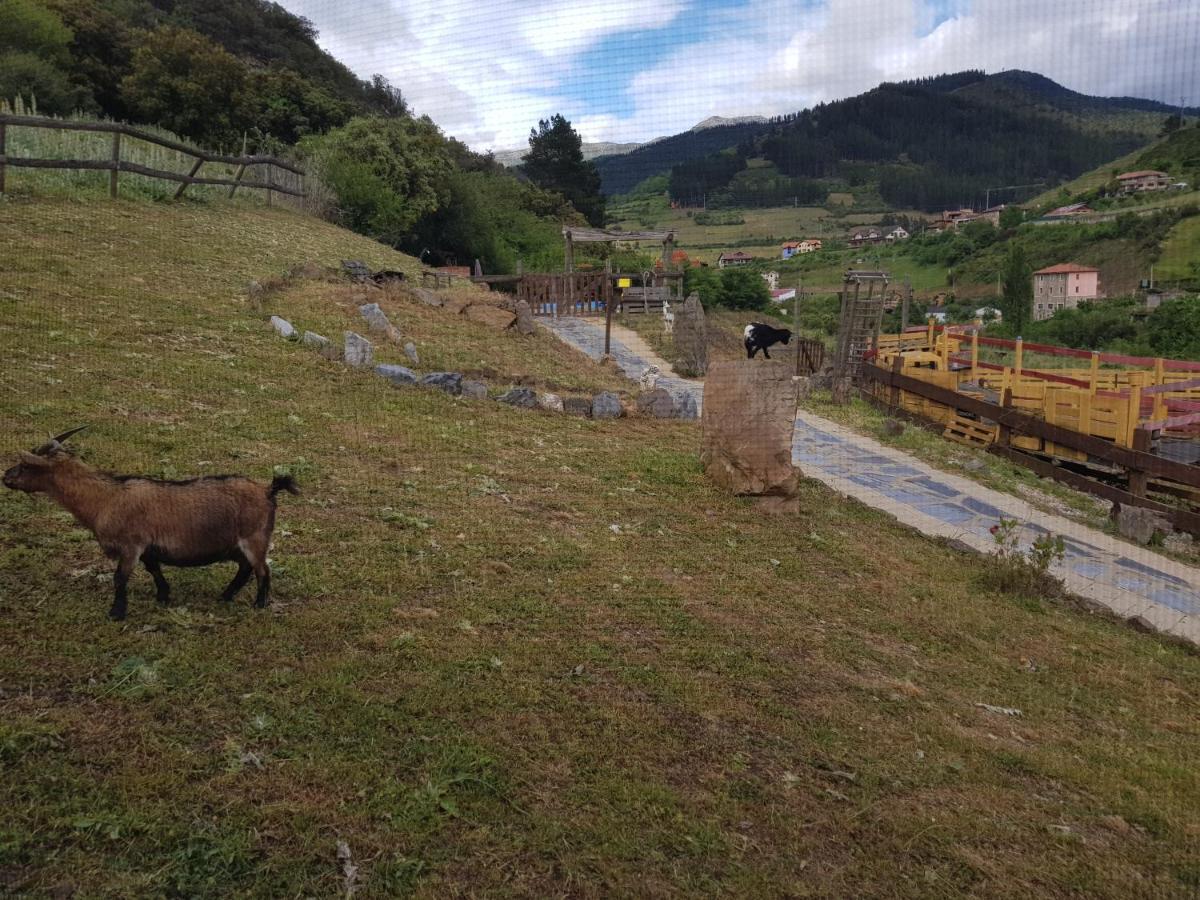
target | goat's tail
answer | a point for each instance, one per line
(282, 483)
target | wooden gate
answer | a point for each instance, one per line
(810, 356)
(574, 294)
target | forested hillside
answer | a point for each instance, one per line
(925, 144)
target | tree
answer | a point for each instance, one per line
(744, 289)
(387, 173)
(29, 27)
(1011, 217)
(1171, 124)
(1017, 301)
(33, 57)
(705, 282)
(555, 162)
(181, 80)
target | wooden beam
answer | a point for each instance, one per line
(114, 172)
(183, 185)
(105, 165)
(605, 236)
(2, 166)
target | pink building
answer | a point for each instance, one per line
(1062, 287)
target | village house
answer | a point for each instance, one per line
(896, 234)
(1143, 180)
(795, 248)
(737, 258)
(937, 313)
(988, 314)
(953, 218)
(783, 295)
(861, 236)
(772, 280)
(1063, 287)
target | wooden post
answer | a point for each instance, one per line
(569, 255)
(1135, 413)
(1094, 375)
(183, 185)
(929, 334)
(1017, 362)
(796, 321)
(116, 165)
(2, 152)
(1158, 371)
(897, 368)
(520, 266)
(1004, 433)
(608, 306)
(269, 175)
(904, 304)
(975, 356)
(237, 179)
(1138, 479)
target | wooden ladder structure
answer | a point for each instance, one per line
(858, 326)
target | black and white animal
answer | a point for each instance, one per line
(759, 337)
(159, 523)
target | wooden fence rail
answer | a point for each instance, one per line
(1139, 464)
(115, 165)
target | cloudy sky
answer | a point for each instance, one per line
(487, 70)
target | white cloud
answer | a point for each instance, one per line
(486, 72)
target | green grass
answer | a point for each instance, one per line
(1180, 258)
(476, 683)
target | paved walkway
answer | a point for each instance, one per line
(631, 354)
(1128, 580)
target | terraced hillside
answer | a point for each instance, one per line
(512, 653)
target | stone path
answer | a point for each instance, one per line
(1127, 579)
(631, 354)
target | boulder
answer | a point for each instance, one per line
(428, 297)
(686, 406)
(658, 404)
(358, 350)
(474, 390)
(410, 350)
(606, 405)
(456, 305)
(893, 427)
(378, 321)
(1141, 525)
(397, 375)
(550, 402)
(691, 338)
(524, 318)
(748, 424)
(320, 343)
(519, 396)
(450, 382)
(578, 406)
(283, 326)
(495, 316)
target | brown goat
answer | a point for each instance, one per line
(221, 518)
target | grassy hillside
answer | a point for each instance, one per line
(475, 681)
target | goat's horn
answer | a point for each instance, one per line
(62, 438)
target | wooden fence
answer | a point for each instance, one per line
(114, 165)
(1142, 471)
(573, 294)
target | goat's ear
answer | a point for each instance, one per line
(32, 459)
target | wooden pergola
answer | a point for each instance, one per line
(573, 235)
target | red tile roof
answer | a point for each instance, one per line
(1065, 268)
(1141, 173)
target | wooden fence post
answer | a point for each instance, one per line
(2, 166)
(608, 306)
(237, 179)
(183, 185)
(1138, 479)
(975, 356)
(1094, 375)
(116, 165)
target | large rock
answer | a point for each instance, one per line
(658, 404)
(397, 375)
(491, 315)
(748, 424)
(1141, 525)
(578, 406)
(686, 406)
(410, 350)
(474, 390)
(377, 320)
(519, 396)
(283, 326)
(428, 297)
(358, 351)
(550, 402)
(320, 343)
(456, 305)
(691, 338)
(606, 405)
(450, 382)
(524, 318)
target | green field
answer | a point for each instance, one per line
(1180, 257)
(512, 653)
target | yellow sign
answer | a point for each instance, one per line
(624, 282)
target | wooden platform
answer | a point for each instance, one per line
(970, 432)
